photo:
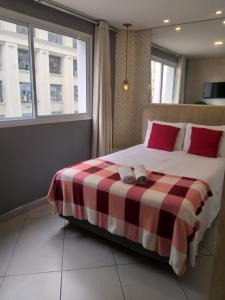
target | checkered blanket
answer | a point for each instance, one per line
(161, 216)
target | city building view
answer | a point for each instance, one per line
(59, 71)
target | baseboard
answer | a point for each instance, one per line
(22, 209)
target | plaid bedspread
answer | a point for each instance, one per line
(161, 216)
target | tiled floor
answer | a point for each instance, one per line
(42, 257)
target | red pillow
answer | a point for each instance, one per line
(205, 142)
(163, 137)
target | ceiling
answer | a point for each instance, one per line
(194, 40)
(145, 14)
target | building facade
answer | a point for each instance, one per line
(60, 71)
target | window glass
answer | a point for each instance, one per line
(167, 84)
(156, 81)
(1, 93)
(56, 92)
(55, 37)
(58, 71)
(21, 29)
(54, 64)
(15, 71)
(25, 92)
(163, 82)
(75, 68)
(23, 59)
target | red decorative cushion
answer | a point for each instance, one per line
(205, 142)
(163, 137)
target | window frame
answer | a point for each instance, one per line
(170, 64)
(32, 23)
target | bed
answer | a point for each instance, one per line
(178, 165)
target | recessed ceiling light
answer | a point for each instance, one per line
(219, 12)
(218, 43)
(178, 28)
(166, 21)
(224, 22)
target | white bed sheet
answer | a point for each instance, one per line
(180, 163)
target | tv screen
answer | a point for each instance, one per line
(214, 90)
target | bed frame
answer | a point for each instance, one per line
(185, 113)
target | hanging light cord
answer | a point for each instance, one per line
(126, 54)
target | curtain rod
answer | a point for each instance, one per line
(70, 11)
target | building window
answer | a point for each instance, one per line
(75, 43)
(75, 91)
(22, 29)
(54, 64)
(55, 37)
(56, 92)
(25, 92)
(23, 59)
(75, 68)
(1, 92)
(163, 81)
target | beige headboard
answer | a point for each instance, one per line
(186, 113)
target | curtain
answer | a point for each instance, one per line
(102, 94)
(180, 82)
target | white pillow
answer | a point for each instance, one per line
(187, 138)
(180, 136)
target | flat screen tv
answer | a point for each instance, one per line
(213, 90)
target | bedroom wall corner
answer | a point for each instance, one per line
(128, 106)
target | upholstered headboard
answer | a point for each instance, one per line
(185, 113)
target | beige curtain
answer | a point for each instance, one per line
(180, 82)
(102, 95)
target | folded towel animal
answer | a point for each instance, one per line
(126, 175)
(141, 175)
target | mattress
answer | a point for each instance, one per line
(180, 163)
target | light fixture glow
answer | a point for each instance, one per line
(166, 21)
(218, 43)
(224, 22)
(219, 12)
(125, 85)
(178, 28)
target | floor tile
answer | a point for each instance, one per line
(45, 286)
(5, 254)
(94, 284)
(196, 281)
(42, 229)
(73, 231)
(34, 257)
(86, 253)
(10, 229)
(125, 256)
(43, 211)
(149, 281)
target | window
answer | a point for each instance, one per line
(55, 37)
(1, 93)
(14, 60)
(40, 93)
(25, 92)
(163, 81)
(75, 43)
(75, 90)
(54, 64)
(23, 59)
(56, 92)
(21, 29)
(75, 68)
